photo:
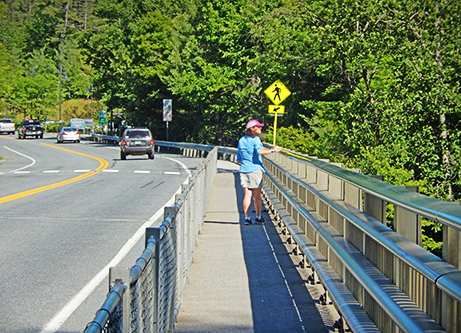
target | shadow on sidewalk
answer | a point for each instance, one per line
(280, 301)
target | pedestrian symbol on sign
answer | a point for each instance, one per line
(277, 92)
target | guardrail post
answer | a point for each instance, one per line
(155, 233)
(336, 186)
(374, 206)
(169, 211)
(323, 179)
(173, 228)
(295, 167)
(452, 254)
(352, 194)
(452, 245)
(336, 189)
(182, 225)
(407, 223)
(283, 159)
(288, 163)
(122, 275)
(302, 170)
(311, 174)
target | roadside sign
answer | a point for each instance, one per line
(167, 110)
(102, 117)
(279, 109)
(167, 113)
(77, 123)
(277, 92)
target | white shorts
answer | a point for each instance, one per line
(252, 179)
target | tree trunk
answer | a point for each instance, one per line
(442, 116)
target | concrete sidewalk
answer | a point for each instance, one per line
(242, 278)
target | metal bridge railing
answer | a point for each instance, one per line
(379, 279)
(147, 297)
(183, 148)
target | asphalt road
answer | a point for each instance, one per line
(66, 211)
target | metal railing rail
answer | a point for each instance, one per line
(447, 213)
(184, 148)
(374, 282)
(335, 290)
(112, 139)
(147, 297)
(192, 149)
(441, 211)
(381, 268)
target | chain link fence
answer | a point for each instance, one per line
(147, 297)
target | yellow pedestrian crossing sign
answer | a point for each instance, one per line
(277, 109)
(277, 92)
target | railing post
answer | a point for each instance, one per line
(302, 170)
(122, 275)
(452, 246)
(173, 233)
(181, 233)
(323, 179)
(336, 186)
(352, 194)
(295, 167)
(374, 206)
(311, 175)
(407, 223)
(452, 254)
(155, 233)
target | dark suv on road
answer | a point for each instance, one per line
(136, 141)
(30, 127)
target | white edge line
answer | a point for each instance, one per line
(172, 173)
(181, 164)
(16, 152)
(54, 324)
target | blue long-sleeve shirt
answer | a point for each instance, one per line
(247, 154)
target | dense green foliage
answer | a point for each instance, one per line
(375, 84)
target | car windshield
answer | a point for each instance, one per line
(137, 134)
(69, 129)
(6, 121)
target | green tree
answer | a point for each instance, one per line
(8, 78)
(128, 51)
(209, 74)
(34, 95)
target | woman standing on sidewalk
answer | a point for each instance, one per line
(250, 149)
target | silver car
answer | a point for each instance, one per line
(136, 141)
(68, 134)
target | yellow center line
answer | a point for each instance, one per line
(10, 138)
(103, 165)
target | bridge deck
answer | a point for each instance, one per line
(242, 278)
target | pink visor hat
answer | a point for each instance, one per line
(253, 123)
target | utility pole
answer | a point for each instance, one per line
(60, 92)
